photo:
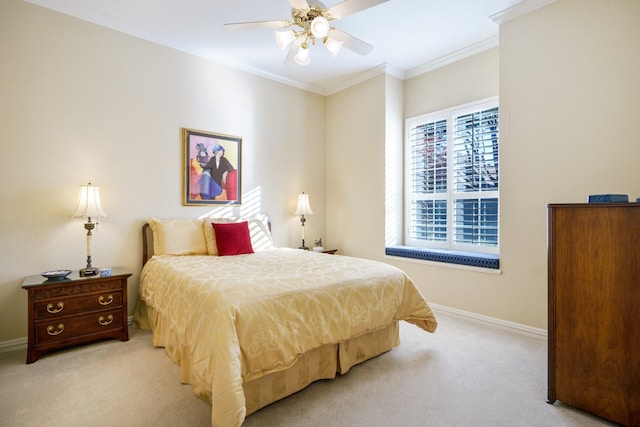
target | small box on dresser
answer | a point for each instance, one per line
(75, 310)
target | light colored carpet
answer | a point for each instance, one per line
(466, 374)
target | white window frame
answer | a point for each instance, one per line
(448, 114)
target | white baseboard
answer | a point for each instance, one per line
(12, 345)
(21, 343)
(512, 326)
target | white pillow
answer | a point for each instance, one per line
(258, 229)
(178, 237)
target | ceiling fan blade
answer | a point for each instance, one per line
(299, 4)
(293, 50)
(349, 7)
(351, 42)
(257, 24)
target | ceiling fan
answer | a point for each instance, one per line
(311, 20)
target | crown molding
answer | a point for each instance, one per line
(366, 75)
(518, 10)
(71, 8)
(499, 18)
(359, 78)
(256, 71)
(453, 57)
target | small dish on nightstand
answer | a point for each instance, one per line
(56, 274)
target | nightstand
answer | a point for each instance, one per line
(323, 251)
(75, 310)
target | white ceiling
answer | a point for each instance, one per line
(408, 36)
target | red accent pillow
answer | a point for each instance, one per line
(232, 238)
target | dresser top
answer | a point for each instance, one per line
(594, 205)
(74, 277)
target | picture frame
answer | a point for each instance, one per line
(211, 168)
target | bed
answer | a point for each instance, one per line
(249, 323)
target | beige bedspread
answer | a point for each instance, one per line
(230, 320)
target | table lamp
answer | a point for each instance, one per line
(89, 206)
(302, 210)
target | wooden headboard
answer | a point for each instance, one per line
(147, 243)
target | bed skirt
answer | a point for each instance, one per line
(320, 363)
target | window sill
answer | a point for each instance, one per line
(472, 259)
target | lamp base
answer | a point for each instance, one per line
(303, 247)
(89, 271)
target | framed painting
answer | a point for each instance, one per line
(212, 168)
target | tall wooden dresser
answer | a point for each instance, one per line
(594, 309)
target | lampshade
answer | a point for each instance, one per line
(303, 205)
(319, 27)
(283, 38)
(89, 203)
(333, 45)
(302, 57)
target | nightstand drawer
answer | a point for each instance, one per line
(50, 290)
(64, 306)
(63, 328)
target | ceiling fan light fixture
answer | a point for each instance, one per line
(319, 27)
(302, 57)
(333, 45)
(311, 22)
(283, 38)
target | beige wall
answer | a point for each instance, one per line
(472, 290)
(355, 169)
(569, 98)
(570, 101)
(81, 103)
(567, 77)
(360, 175)
(470, 79)
(364, 189)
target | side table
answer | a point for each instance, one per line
(75, 310)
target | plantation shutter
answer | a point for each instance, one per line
(476, 178)
(452, 179)
(428, 163)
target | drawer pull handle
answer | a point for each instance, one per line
(52, 310)
(106, 322)
(50, 330)
(108, 301)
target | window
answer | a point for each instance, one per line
(452, 179)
